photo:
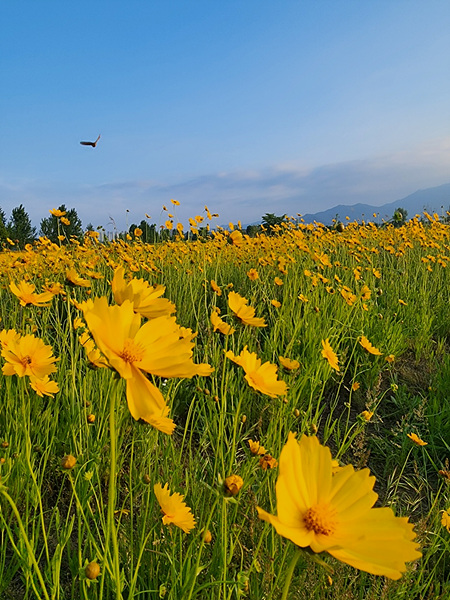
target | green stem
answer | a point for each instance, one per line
(26, 541)
(111, 533)
(289, 573)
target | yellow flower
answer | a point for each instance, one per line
(256, 448)
(275, 303)
(253, 274)
(445, 520)
(303, 298)
(330, 355)
(368, 346)
(402, 302)
(54, 288)
(138, 232)
(365, 293)
(237, 238)
(56, 212)
(44, 387)
(215, 288)
(278, 281)
(288, 363)
(28, 355)
(233, 485)
(77, 323)
(220, 325)
(348, 296)
(73, 278)
(333, 512)
(8, 336)
(261, 377)
(160, 347)
(416, 439)
(267, 462)
(144, 297)
(238, 304)
(367, 415)
(390, 358)
(65, 221)
(25, 292)
(355, 386)
(174, 508)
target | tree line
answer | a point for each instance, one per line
(19, 231)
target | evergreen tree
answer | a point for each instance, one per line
(149, 233)
(3, 231)
(52, 226)
(253, 230)
(270, 221)
(399, 217)
(19, 228)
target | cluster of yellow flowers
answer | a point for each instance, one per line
(27, 355)
(320, 505)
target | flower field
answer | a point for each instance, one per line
(227, 416)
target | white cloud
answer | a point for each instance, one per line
(242, 195)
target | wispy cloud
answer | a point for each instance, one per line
(243, 195)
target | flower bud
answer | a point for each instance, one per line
(68, 462)
(207, 536)
(233, 484)
(92, 570)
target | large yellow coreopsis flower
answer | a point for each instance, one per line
(174, 508)
(28, 355)
(261, 377)
(334, 512)
(239, 305)
(160, 347)
(26, 293)
(144, 297)
(329, 354)
(364, 342)
(220, 325)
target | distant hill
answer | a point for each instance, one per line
(435, 199)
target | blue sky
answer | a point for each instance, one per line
(248, 106)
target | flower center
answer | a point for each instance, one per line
(321, 519)
(132, 352)
(26, 360)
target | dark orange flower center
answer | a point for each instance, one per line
(131, 352)
(26, 360)
(321, 519)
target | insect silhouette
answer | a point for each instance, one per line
(93, 144)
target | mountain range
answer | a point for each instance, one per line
(431, 200)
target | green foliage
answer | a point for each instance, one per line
(52, 227)
(3, 230)
(271, 222)
(399, 217)
(19, 227)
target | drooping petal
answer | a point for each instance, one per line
(146, 402)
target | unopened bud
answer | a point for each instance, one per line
(92, 570)
(68, 462)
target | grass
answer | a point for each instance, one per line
(53, 522)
